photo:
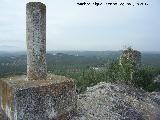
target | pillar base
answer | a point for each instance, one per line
(51, 99)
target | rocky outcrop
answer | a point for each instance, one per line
(107, 101)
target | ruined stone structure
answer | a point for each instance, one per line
(131, 54)
(37, 96)
(132, 57)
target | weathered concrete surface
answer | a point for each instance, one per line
(3, 115)
(52, 99)
(36, 40)
(37, 96)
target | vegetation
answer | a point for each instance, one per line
(90, 69)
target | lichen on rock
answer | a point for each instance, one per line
(108, 101)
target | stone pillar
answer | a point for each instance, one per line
(51, 99)
(36, 40)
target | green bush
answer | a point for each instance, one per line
(145, 77)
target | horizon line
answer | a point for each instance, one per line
(76, 51)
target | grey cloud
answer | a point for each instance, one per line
(70, 26)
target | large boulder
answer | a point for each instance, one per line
(108, 101)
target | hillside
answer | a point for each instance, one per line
(104, 101)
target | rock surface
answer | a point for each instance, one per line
(107, 101)
(22, 99)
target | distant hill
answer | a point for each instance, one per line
(151, 59)
(15, 62)
(11, 53)
(110, 54)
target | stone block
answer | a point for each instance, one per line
(50, 99)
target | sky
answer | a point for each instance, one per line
(74, 27)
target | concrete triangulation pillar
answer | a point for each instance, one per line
(52, 98)
(36, 40)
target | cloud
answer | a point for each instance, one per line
(70, 26)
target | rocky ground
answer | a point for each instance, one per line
(107, 101)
